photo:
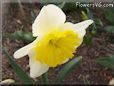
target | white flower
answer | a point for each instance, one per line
(56, 40)
(111, 82)
(7, 82)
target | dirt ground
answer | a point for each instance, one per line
(89, 72)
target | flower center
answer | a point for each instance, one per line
(56, 47)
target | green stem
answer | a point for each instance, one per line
(45, 78)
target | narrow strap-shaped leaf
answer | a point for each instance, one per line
(21, 35)
(107, 62)
(45, 78)
(21, 74)
(68, 68)
(109, 29)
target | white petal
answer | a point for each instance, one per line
(36, 68)
(24, 50)
(111, 82)
(81, 27)
(49, 18)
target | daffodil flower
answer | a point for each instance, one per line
(56, 40)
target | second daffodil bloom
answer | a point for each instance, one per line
(56, 40)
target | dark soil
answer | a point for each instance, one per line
(89, 72)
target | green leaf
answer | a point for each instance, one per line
(45, 78)
(18, 70)
(98, 22)
(90, 16)
(109, 14)
(69, 7)
(109, 29)
(88, 39)
(106, 61)
(33, 16)
(61, 5)
(84, 15)
(68, 68)
(89, 13)
(21, 35)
